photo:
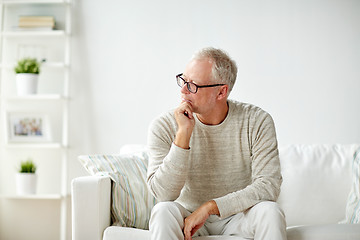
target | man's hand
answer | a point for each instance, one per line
(186, 122)
(198, 218)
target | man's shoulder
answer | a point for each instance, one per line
(166, 116)
(253, 116)
(164, 120)
(247, 109)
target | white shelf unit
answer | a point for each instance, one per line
(52, 99)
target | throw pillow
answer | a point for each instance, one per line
(131, 200)
(353, 202)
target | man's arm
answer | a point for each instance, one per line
(168, 143)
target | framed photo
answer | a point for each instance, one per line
(28, 127)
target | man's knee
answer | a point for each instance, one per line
(268, 221)
(167, 221)
(269, 210)
(166, 210)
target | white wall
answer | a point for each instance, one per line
(299, 60)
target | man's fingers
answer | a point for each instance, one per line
(195, 221)
(189, 229)
(186, 110)
(193, 231)
(187, 233)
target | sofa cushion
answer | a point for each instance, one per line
(327, 231)
(316, 182)
(353, 202)
(114, 233)
(131, 200)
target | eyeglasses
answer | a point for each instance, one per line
(192, 87)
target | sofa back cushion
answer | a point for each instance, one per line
(316, 182)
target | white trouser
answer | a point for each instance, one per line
(265, 220)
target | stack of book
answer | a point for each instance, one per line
(36, 23)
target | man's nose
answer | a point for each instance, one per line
(184, 89)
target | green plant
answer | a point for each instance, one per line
(27, 65)
(27, 167)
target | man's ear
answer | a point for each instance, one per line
(223, 92)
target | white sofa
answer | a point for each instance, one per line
(316, 184)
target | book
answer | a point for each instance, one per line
(36, 22)
(37, 18)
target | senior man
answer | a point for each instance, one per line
(214, 164)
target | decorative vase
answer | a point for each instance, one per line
(26, 83)
(26, 183)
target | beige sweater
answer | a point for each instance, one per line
(235, 163)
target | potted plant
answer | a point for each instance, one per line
(27, 73)
(26, 178)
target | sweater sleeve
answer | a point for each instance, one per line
(168, 164)
(266, 173)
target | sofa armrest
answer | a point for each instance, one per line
(90, 198)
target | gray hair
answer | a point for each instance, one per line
(224, 69)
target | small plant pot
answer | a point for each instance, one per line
(26, 83)
(26, 183)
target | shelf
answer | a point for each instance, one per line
(54, 45)
(33, 197)
(8, 66)
(54, 33)
(36, 97)
(34, 145)
(8, 2)
(54, 64)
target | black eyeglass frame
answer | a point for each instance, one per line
(197, 86)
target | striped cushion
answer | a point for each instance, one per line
(353, 203)
(131, 200)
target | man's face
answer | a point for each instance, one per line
(199, 72)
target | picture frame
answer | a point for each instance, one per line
(28, 127)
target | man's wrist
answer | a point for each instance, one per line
(183, 147)
(182, 139)
(212, 208)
